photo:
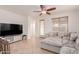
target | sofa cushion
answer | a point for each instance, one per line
(60, 34)
(65, 40)
(53, 34)
(70, 44)
(63, 34)
(66, 34)
(67, 50)
(52, 41)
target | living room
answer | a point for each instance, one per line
(36, 25)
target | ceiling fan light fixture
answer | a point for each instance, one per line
(43, 12)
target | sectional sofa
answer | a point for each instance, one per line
(60, 42)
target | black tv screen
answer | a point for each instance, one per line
(10, 29)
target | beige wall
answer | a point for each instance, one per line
(73, 20)
(10, 17)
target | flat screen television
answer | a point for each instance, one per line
(10, 29)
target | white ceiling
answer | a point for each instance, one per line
(26, 9)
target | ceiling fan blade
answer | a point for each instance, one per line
(36, 11)
(42, 7)
(48, 13)
(40, 14)
(51, 9)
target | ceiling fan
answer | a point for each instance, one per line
(45, 10)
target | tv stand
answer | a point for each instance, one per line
(12, 39)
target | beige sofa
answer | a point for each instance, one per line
(55, 41)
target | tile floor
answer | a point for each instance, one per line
(27, 47)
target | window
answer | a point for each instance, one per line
(60, 24)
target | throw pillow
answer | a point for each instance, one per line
(63, 34)
(73, 36)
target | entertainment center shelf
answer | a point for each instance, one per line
(12, 39)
